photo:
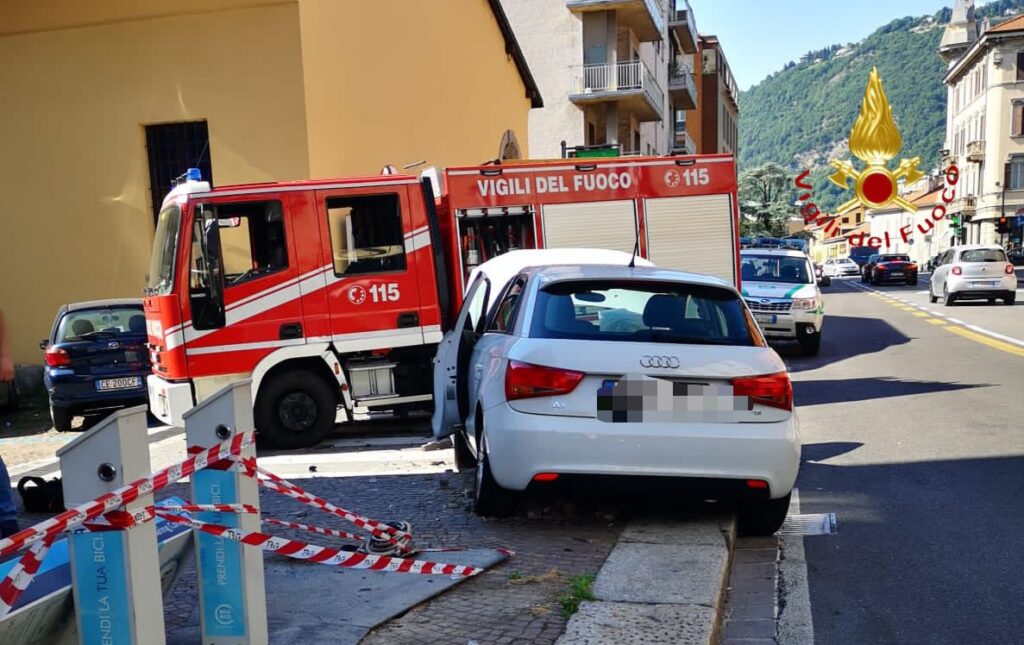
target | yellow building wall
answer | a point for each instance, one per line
(76, 221)
(396, 82)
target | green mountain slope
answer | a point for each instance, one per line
(801, 116)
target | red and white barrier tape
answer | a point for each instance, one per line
(273, 482)
(314, 529)
(124, 495)
(324, 555)
(21, 575)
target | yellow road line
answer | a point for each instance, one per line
(936, 321)
(921, 314)
(985, 340)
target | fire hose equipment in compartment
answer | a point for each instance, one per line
(485, 233)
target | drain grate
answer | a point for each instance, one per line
(809, 524)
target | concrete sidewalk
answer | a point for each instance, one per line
(664, 582)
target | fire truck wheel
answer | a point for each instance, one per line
(294, 410)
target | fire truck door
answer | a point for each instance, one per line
(372, 291)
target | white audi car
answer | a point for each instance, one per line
(574, 371)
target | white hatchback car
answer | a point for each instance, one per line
(973, 272)
(579, 371)
(837, 267)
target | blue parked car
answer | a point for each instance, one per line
(96, 359)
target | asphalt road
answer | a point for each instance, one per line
(913, 430)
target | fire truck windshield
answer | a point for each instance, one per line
(165, 248)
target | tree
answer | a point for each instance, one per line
(766, 194)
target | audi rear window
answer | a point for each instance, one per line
(642, 311)
(983, 255)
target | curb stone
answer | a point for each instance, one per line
(664, 582)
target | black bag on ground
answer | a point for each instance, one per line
(43, 497)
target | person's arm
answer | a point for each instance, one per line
(6, 364)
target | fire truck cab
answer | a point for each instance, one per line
(332, 295)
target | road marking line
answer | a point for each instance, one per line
(936, 321)
(920, 314)
(985, 340)
(1008, 339)
(795, 623)
(955, 320)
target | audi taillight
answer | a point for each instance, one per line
(57, 357)
(1009, 269)
(957, 271)
(525, 381)
(773, 390)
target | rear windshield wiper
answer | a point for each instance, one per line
(97, 334)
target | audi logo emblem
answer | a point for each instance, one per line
(659, 361)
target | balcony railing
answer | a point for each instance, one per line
(681, 87)
(976, 151)
(969, 205)
(594, 82)
(682, 143)
(680, 21)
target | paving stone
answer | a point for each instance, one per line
(616, 623)
(689, 531)
(755, 555)
(749, 641)
(760, 570)
(750, 629)
(751, 611)
(752, 585)
(663, 573)
(741, 599)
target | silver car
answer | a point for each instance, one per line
(837, 267)
(973, 272)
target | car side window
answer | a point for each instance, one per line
(504, 314)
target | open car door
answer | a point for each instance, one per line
(451, 380)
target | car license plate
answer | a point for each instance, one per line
(985, 284)
(898, 274)
(766, 318)
(127, 382)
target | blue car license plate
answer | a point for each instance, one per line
(123, 383)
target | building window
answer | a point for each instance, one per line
(172, 149)
(1020, 66)
(1015, 173)
(1017, 127)
(366, 234)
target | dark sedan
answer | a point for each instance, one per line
(96, 359)
(893, 267)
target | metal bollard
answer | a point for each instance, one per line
(115, 574)
(232, 597)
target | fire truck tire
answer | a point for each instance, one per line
(294, 409)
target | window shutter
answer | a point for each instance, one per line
(1020, 66)
(1018, 117)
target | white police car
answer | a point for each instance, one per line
(781, 291)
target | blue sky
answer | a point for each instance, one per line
(760, 36)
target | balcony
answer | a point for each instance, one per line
(644, 17)
(969, 205)
(681, 87)
(680, 21)
(631, 85)
(682, 142)
(976, 151)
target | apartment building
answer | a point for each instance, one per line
(713, 123)
(611, 72)
(985, 125)
(110, 100)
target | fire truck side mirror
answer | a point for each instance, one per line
(206, 293)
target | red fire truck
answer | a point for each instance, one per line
(331, 295)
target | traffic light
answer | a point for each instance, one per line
(1002, 224)
(954, 222)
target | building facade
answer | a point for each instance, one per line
(985, 125)
(611, 72)
(116, 98)
(714, 123)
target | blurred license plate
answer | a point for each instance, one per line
(897, 274)
(766, 318)
(118, 383)
(985, 284)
